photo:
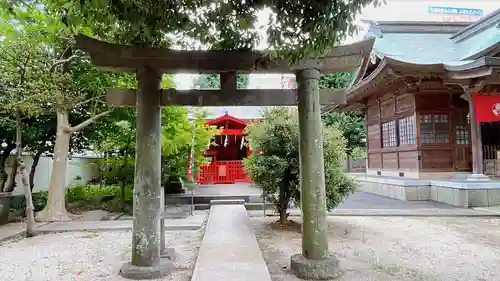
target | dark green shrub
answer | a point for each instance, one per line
(276, 169)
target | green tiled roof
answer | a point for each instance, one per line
(448, 48)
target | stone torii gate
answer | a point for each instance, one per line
(150, 64)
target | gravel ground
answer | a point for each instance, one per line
(394, 248)
(87, 256)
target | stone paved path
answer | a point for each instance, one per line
(229, 250)
(10, 230)
(358, 200)
(190, 223)
(364, 200)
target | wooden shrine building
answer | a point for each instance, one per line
(226, 154)
(416, 94)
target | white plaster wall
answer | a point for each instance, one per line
(77, 166)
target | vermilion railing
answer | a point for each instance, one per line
(222, 172)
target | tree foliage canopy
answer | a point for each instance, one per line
(276, 168)
(335, 80)
(212, 81)
(296, 29)
(351, 124)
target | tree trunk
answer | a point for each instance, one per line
(30, 210)
(283, 202)
(11, 183)
(23, 176)
(55, 210)
(3, 175)
(124, 180)
(36, 159)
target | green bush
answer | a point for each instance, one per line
(276, 169)
(18, 203)
(114, 170)
(85, 192)
(81, 197)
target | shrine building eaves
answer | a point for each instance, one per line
(418, 50)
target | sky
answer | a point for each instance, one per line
(393, 10)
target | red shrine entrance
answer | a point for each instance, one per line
(226, 154)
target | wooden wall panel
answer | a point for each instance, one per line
(405, 102)
(374, 161)
(408, 159)
(372, 114)
(387, 109)
(437, 159)
(459, 102)
(374, 137)
(372, 111)
(390, 160)
(432, 101)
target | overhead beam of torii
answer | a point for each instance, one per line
(315, 262)
(122, 58)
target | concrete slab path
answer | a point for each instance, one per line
(190, 223)
(12, 229)
(365, 200)
(492, 210)
(229, 250)
(424, 212)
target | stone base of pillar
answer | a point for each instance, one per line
(478, 177)
(315, 269)
(164, 268)
(168, 253)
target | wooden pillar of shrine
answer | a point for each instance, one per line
(315, 261)
(475, 136)
(147, 197)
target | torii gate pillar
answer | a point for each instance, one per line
(146, 246)
(315, 262)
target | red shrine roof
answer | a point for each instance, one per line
(224, 118)
(231, 125)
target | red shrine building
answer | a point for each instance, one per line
(226, 154)
(229, 148)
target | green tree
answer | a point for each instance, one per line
(335, 80)
(212, 81)
(66, 85)
(117, 144)
(180, 137)
(19, 61)
(18, 69)
(351, 124)
(276, 168)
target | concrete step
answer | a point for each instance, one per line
(248, 206)
(185, 199)
(227, 202)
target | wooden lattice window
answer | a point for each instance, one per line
(389, 134)
(462, 129)
(407, 130)
(434, 128)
